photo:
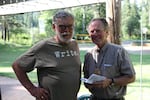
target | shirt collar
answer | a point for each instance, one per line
(104, 48)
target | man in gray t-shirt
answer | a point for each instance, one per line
(109, 60)
(57, 61)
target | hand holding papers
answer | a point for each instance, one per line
(93, 78)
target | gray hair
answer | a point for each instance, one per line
(62, 14)
(103, 20)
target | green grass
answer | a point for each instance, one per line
(8, 54)
(137, 90)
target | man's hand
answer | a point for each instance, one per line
(39, 93)
(102, 84)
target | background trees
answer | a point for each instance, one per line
(28, 28)
(130, 20)
(135, 19)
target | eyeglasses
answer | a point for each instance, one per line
(63, 27)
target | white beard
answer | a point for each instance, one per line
(62, 39)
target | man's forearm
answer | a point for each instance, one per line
(124, 80)
(22, 77)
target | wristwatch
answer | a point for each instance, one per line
(112, 81)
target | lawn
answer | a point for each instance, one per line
(140, 89)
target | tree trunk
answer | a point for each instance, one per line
(113, 12)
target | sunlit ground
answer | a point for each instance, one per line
(139, 90)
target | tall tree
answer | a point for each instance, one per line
(145, 14)
(130, 19)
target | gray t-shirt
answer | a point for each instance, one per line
(113, 61)
(58, 67)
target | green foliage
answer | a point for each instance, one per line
(28, 23)
(133, 25)
(18, 30)
(130, 20)
(84, 14)
(23, 39)
(101, 9)
(39, 37)
(78, 12)
(144, 11)
(47, 17)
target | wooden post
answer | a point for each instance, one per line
(113, 12)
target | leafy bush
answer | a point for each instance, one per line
(22, 38)
(18, 30)
(38, 37)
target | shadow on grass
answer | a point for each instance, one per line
(8, 53)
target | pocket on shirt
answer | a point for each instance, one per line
(108, 69)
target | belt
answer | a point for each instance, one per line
(95, 98)
(112, 99)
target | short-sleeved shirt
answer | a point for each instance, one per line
(112, 61)
(58, 67)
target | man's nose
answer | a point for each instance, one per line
(94, 33)
(66, 28)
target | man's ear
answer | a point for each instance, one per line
(107, 32)
(53, 26)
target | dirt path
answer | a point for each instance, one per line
(11, 89)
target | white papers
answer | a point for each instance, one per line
(93, 78)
